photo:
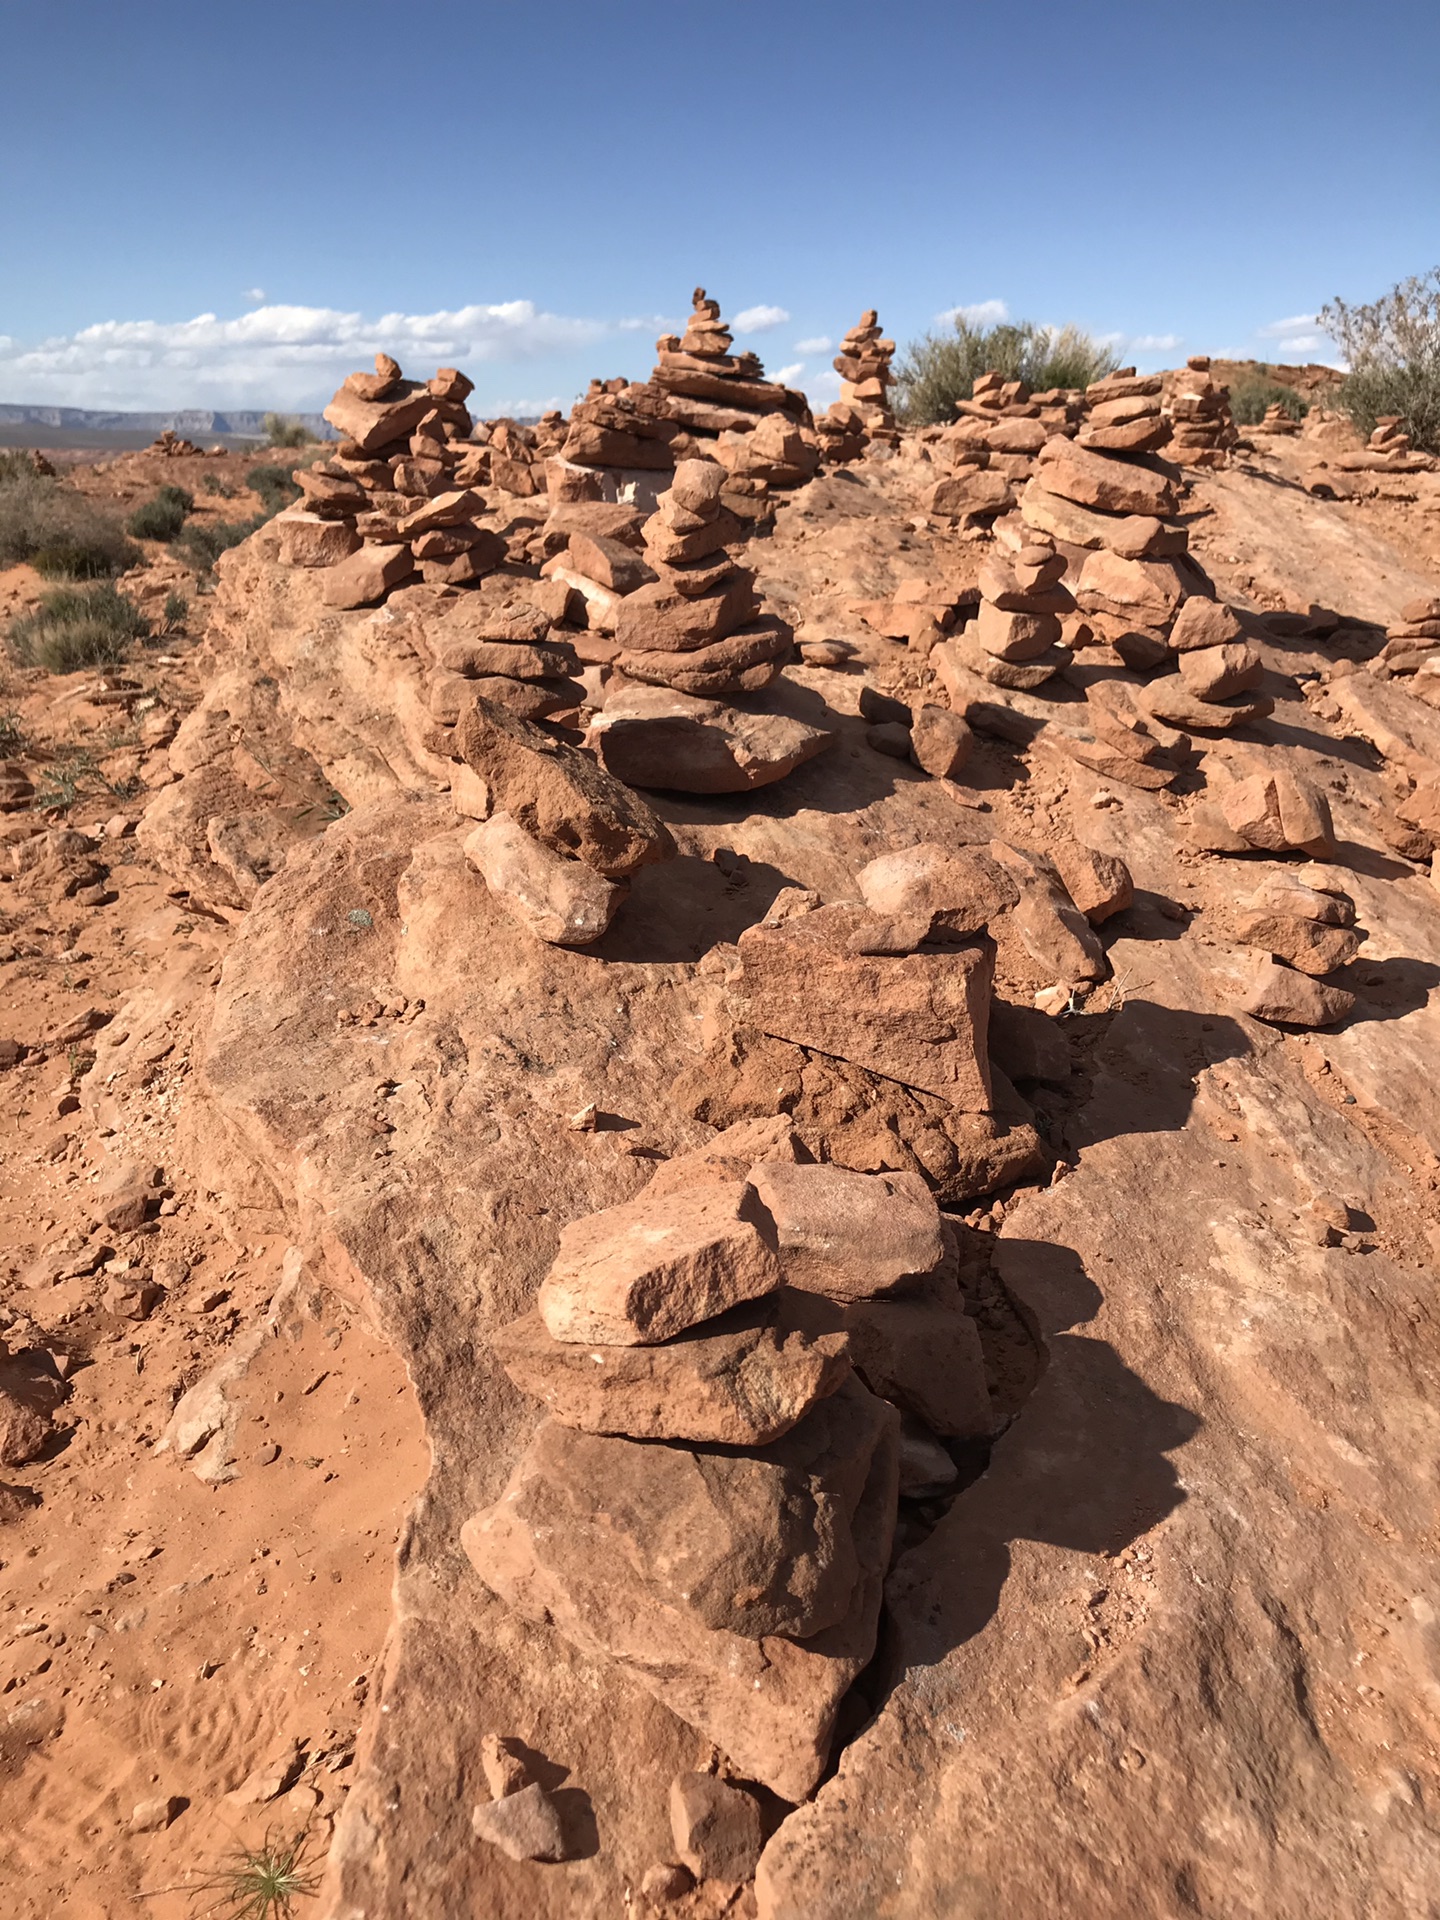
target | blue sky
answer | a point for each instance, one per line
(233, 204)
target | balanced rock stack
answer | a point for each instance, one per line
(1202, 427)
(1278, 419)
(991, 447)
(1388, 450)
(503, 651)
(712, 1498)
(695, 624)
(1306, 930)
(862, 413)
(559, 837)
(723, 399)
(1414, 640)
(1017, 639)
(394, 498)
(619, 434)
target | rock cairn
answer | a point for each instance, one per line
(1413, 642)
(559, 838)
(1278, 420)
(862, 413)
(712, 1496)
(1197, 406)
(393, 502)
(991, 447)
(1017, 639)
(723, 400)
(695, 624)
(1306, 931)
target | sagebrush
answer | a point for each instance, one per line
(162, 516)
(283, 430)
(57, 529)
(1392, 350)
(75, 627)
(940, 368)
(1251, 400)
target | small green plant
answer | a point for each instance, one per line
(59, 531)
(261, 1883)
(212, 483)
(940, 368)
(12, 736)
(161, 517)
(203, 541)
(1250, 401)
(75, 627)
(281, 430)
(1392, 350)
(177, 611)
(15, 464)
(274, 485)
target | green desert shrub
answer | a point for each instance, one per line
(274, 484)
(76, 627)
(212, 483)
(60, 532)
(203, 541)
(161, 517)
(942, 367)
(1392, 350)
(281, 430)
(1251, 400)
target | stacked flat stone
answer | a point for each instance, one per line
(394, 498)
(559, 838)
(991, 447)
(1202, 427)
(1278, 420)
(1016, 641)
(722, 399)
(1305, 932)
(695, 625)
(1413, 642)
(714, 1488)
(862, 414)
(503, 651)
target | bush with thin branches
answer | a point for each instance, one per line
(1252, 399)
(75, 627)
(61, 533)
(938, 369)
(162, 516)
(1392, 350)
(283, 430)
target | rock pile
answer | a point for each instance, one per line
(694, 624)
(712, 1496)
(1414, 640)
(1278, 419)
(174, 446)
(394, 499)
(723, 400)
(559, 837)
(1017, 639)
(862, 413)
(1306, 931)
(1197, 406)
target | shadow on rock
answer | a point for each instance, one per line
(1145, 1068)
(1386, 989)
(1084, 1466)
(679, 911)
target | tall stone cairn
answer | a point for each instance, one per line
(862, 413)
(1202, 427)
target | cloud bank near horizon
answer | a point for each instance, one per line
(280, 356)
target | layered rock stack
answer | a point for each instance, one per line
(1202, 427)
(712, 1496)
(1306, 932)
(723, 400)
(620, 433)
(559, 838)
(1278, 420)
(992, 446)
(1413, 643)
(393, 501)
(862, 413)
(695, 625)
(1016, 641)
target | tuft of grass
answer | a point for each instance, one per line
(13, 741)
(938, 369)
(57, 529)
(161, 517)
(75, 627)
(281, 430)
(1392, 348)
(205, 541)
(274, 484)
(261, 1883)
(1250, 400)
(177, 611)
(212, 483)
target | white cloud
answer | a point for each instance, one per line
(784, 375)
(1303, 343)
(275, 355)
(822, 343)
(255, 294)
(984, 313)
(1155, 342)
(1295, 324)
(758, 319)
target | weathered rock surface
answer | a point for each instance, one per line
(850, 1235)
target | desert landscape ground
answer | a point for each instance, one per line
(721, 1164)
